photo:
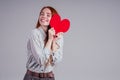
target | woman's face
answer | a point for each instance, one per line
(45, 17)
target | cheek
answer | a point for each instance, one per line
(49, 19)
(40, 17)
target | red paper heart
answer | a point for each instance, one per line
(58, 24)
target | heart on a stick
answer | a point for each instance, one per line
(58, 24)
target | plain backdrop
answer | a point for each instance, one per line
(91, 46)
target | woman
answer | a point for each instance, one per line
(45, 48)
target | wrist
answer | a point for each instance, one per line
(50, 40)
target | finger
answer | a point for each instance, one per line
(61, 33)
(52, 29)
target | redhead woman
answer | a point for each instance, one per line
(44, 48)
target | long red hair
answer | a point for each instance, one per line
(53, 11)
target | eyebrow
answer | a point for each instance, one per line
(47, 13)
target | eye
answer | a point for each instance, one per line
(48, 15)
(41, 14)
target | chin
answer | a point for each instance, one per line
(45, 25)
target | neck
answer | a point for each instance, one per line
(44, 28)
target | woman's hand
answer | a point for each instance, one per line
(55, 46)
(58, 36)
(51, 34)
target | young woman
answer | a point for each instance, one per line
(45, 48)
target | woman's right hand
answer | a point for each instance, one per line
(51, 33)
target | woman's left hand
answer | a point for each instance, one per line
(55, 46)
(58, 35)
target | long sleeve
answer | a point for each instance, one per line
(57, 56)
(40, 53)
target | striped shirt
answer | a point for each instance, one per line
(38, 55)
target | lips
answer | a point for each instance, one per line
(43, 20)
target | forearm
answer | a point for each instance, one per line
(48, 44)
(55, 46)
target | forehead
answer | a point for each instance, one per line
(46, 10)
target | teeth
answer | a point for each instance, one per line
(43, 20)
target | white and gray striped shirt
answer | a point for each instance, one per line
(38, 55)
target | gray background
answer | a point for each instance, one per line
(92, 45)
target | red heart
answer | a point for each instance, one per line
(58, 24)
